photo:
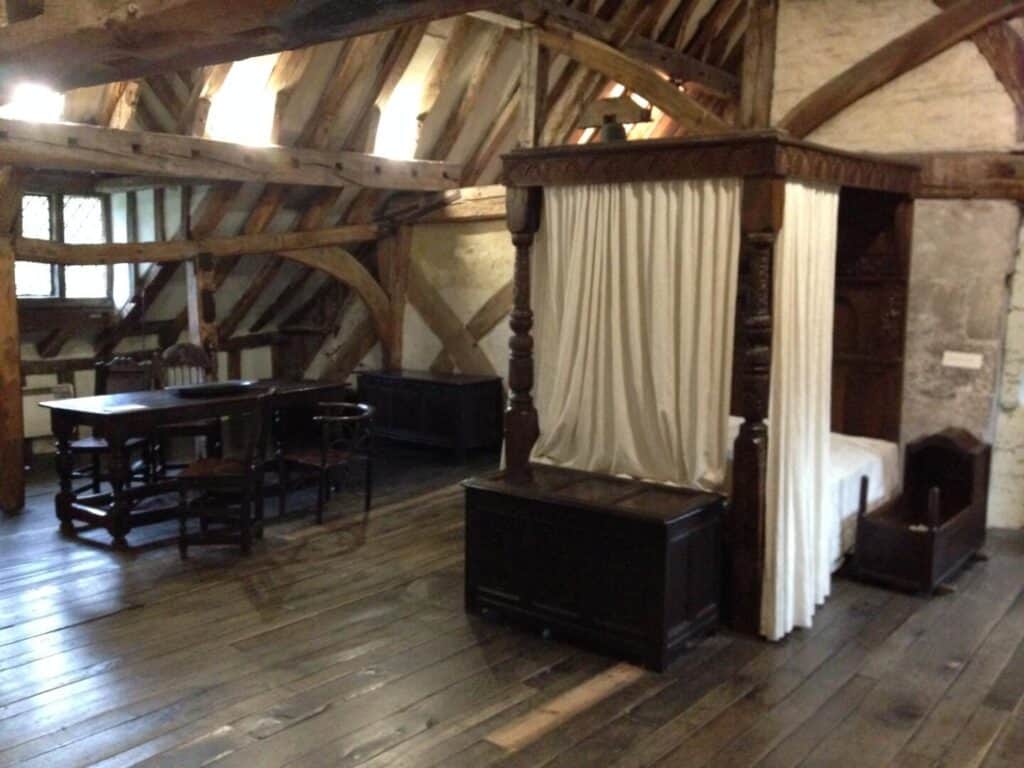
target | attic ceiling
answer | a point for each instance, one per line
(444, 89)
(462, 72)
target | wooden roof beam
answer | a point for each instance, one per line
(969, 175)
(893, 59)
(680, 66)
(101, 42)
(636, 76)
(49, 252)
(69, 147)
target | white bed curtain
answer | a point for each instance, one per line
(634, 289)
(799, 529)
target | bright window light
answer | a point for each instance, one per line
(242, 112)
(398, 132)
(34, 102)
(640, 101)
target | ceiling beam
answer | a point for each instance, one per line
(759, 65)
(678, 65)
(49, 252)
(897, 57)
(91, 42)
(969, 175)
(636, 76)
(67, 147)
(1003, 47)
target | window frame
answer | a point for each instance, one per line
(59, 281)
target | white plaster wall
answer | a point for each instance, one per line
(963, 250)
(953, 101)
(467, 264)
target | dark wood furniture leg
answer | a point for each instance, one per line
(120, 479)
(64, 432)
(521, 423)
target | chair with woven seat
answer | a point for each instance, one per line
(181, 365)
(225, 494)
(346, 437)
(114, 377)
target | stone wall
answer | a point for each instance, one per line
(1007, 488)
(963, 250)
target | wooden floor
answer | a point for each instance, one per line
(346, 645)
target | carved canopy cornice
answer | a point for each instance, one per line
(736, 155)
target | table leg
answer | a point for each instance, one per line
(65, 467)
(120, 476)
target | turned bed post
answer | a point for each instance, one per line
(763, 201)
(521, 425)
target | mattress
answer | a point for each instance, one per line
(851, 458)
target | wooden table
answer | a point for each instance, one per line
(138, 414)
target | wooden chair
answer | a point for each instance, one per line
(114, 377)
(346, 437)
(228, 492)
(181, 365)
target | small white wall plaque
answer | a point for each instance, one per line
(969, 361)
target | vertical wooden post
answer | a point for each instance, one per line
(202, 307)
(763, 201)
(393, 255)
(533, 89)
(521, 424)
(758, 68)
(12, 424)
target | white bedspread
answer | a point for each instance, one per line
(851, 458)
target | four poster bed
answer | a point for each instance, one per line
(705, 308)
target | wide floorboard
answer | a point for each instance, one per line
(346, 645)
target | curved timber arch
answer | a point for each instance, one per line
(345, 268)
(320, 250)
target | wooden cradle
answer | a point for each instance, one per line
(919, 540)
(873, 262)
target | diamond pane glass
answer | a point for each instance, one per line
(83, 220)
(31, 279)
(83, 224)
(35, 217)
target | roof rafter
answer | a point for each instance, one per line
(104, 150)
(900, 55)
(51, 252)
(102, 42)
(637, 76)
(679, 65)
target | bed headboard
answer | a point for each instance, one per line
(872, 268)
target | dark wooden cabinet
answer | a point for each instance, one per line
(629, 568)
(458, 412)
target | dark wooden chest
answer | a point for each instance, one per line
(629, 568)
(458, 412)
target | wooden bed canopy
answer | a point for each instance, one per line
(876, 210)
